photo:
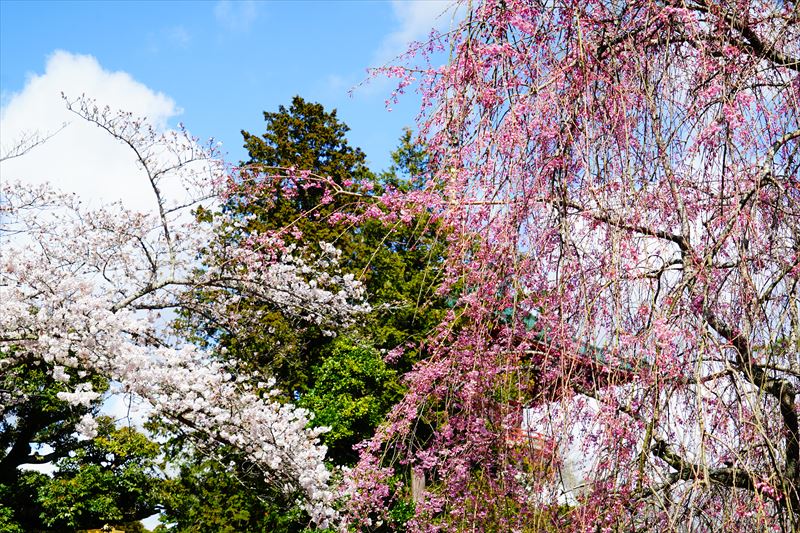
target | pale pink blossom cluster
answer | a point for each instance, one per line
(83, 289)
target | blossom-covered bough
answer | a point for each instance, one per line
(629, 171)
(81, 292)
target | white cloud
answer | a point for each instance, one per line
(236, 16)
(416, 19)
(81, 158)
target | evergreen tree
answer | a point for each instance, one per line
(342, 378)
(398, 265)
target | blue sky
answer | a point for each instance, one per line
(221, 64)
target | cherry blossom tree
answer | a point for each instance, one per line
(620, 181)
(82, 292)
